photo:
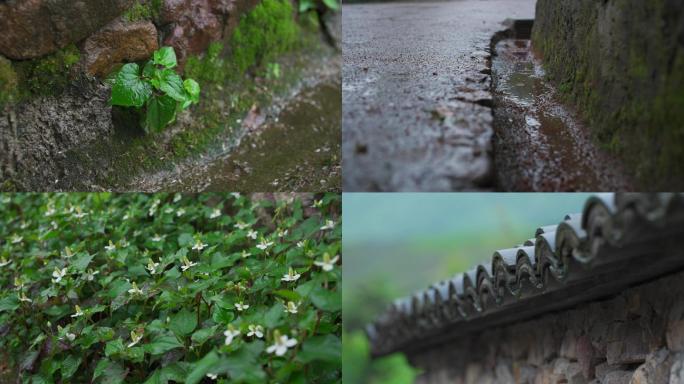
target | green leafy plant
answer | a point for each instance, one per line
(308, 5)
(137, 288)
(157, 88)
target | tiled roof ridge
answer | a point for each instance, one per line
(558, 255)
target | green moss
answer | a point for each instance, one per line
(211, 68)
(47, 75)
(263, 34)
(143, 10)
(624, 81)
(9, 82)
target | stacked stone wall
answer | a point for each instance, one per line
(635, 337)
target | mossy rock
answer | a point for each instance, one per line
(47, 75)
(622, 65)
(264, 33)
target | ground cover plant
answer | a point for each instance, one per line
(162, 288)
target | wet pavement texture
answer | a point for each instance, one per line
(416, 93)
(292, 147)
(540, 144)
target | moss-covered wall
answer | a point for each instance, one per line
(622, 63)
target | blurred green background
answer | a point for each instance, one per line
(397, 243)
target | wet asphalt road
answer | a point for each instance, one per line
(415, 93)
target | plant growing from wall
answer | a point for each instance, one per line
(157, 89)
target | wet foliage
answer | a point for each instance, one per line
(157, 88)
(169, 288)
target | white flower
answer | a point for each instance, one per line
(4, 261)
(264, 244)
(241, 307)
(152, 266)
(252, 234)
(290, 275)
(153, 208)
(245, 254)
(23, 297)
(16, 239)
(187, 264)
(282, 233)
(236, 195)
(79, 214)
(78, 313)
(327, 264)
(240, 225)
(135, 338)
(180, 212)
(255, 330)
(58, 274)
(215, 213)
(317, 203)
(282, 343)
(50, 210)
(111, 247)
(90, 275)
(168, 210)
(291, 307)
(212, 376)
(329, 224)
(70, 336)
(300, 244)
(135, 290)
(199, 245)
(123, 243)
(230, 334)
(156, 238)
(177, 197)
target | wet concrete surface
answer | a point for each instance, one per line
(292, 147)
(416, 93)
(540, 144)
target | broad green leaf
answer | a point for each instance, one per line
(203, 334)
(165, 57)
(289, 295)
(325, 348)
(9, 303)
(172, 84)
(183, 322)
(243, 365)
(184, 240)
(326, 300)
(81, 262)
(161, 110)
(129, 89)
(305, 5)
(222, 316)
(162, 344)
(193, 89)
(332, 4)
(70, 365)
(272, 317)
(148, 70)
(113, 347)
(202, 367)
(154, 378)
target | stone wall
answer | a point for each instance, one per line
(636, 337)
(622, 63)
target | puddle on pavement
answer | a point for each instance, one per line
(539, 143)
(294, 148)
